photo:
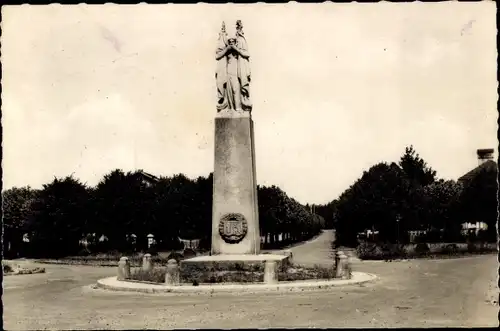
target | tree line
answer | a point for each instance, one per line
(57, 217)
(396, 198)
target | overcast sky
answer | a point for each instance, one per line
(336, 89)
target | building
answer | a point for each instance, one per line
(148, 178)
(485, 160)
(469, 227)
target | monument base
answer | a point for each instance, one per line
(235, 219)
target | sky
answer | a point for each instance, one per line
(336, 88)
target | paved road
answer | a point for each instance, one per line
(418, 293)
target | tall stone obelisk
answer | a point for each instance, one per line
(235, 218)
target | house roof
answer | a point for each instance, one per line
(149, 177)
(489, 165)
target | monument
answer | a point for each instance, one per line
(235, 217)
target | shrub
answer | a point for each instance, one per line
(213, 276)
(296, 272)
(83, 252)
(176, 256)
(422, 249)
(471, 247)
(370, 251)
(393, 251)
(157, 275)
(7, 268)
(188, 253)
(450, 249)
(214, 272)
(152, 250)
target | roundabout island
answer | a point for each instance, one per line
(113, 284)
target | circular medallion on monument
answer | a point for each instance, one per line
(233, 228)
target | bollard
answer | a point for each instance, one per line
(339, 264)
(123, 269)
(270, 276)
(172, 277)
(147, 263)
(289, 254)
(347, 268)
(289, 259)
(344, 266)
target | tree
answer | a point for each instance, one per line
(125, 204)
(58, 218)
(442, 200)
(416, 168)
(16, 204)
(280, 214)
(328, 213)
(272, 210)
(375, 201)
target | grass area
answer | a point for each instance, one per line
(217, 275)
(373, 251)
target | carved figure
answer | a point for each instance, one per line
(233, 71)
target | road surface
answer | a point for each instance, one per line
(417, 293)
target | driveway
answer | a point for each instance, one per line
(416, 293)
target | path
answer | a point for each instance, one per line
(315, 251)
(417, 293)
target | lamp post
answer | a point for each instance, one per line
(397, 223)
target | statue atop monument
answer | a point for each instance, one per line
(233, 71)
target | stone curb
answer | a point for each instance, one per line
(111, 283)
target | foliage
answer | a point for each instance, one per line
(442, 199)
(376, 200)
(328, 212)
(279, 213)
(16, 206)
(372, 251)
(7, 268)
(59, 217)
(106, 217)
(16, 203)
(422, 249)
(416, 169)
(157, 275)
(122, 204)
(220, 275)
(297, 272)
(394, 199)
(189, 253)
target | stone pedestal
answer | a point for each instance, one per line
(270, 272)
(172, 276)
(235, 219)
(123, 269)
(341, 265)
(147, 263)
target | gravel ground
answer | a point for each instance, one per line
(415, 293)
